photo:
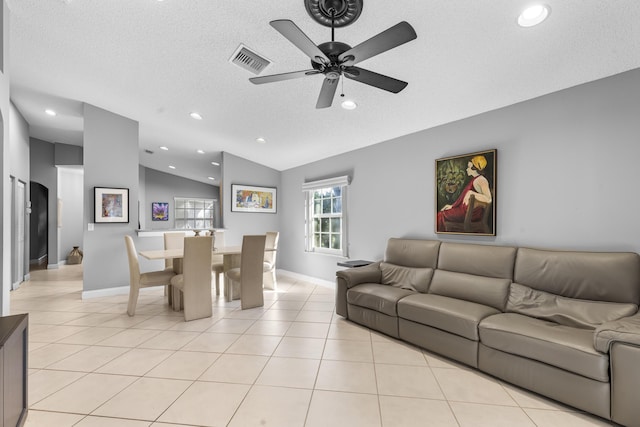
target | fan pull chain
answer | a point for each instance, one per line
(342, 89)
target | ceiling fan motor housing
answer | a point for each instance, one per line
(341, 12)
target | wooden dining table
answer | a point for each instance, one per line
(230, 256)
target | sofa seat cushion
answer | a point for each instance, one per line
(382, 298)
(557, 345)
(447, 314)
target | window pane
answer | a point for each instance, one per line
(337, 205)
(335, 225)
(324, 240)
(337, 191)
(325, 223)
(179, 214)
(326, 192)
(317, 195)
(200, 224)
(335, 241)
(316, 240)
(326, 206)
(317, 207)
(179, 223)
(316, 225)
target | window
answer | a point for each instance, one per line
(326, 219)
(194, 213)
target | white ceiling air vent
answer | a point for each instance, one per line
(248, 59)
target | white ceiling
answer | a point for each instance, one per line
(155, 62)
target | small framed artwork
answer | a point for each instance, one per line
(160, 211)
(248, 198)
(466, 194)
(111, 205)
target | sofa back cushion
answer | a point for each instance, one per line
(479, 260)
(414, 279)
(596, 276)
(574, 312)
(490, 291)
(412, 253)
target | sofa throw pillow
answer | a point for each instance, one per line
(579, 313)
(414, 279)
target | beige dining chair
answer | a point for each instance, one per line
(217, 261)
(247, 280)
(139, 280)
(172, 241)
(192, 288)
(269, 266)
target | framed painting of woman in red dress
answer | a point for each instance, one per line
(466, 194)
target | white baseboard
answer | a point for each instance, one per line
(321, 282)
(53, 266)
(107, 292)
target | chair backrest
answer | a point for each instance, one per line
(251, 269)
(173, 241)
(271, 242)
(197, 277)
(132, 255)
(218, 239)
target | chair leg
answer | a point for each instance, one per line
(217, 283)
(176, 301)
(133, 300)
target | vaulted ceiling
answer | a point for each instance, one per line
(157, 61)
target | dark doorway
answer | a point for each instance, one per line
(39, 226)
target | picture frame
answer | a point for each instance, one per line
(111, 205)
(159, 211)
(251, 198)
(465, 194)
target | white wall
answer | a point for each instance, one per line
(567, 178)
(236, 170)
(70, 193)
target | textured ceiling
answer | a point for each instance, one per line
(154, 62)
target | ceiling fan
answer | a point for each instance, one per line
(335, 59)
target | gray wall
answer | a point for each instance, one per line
(236, 170)
(5, 190)
(43, 171)
(567, 178)
(110, 160)
(163, 187)
(70, 190)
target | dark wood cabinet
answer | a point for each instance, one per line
(13, 369)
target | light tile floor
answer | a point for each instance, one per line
(293, 362)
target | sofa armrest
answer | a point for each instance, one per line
(354, 276)
(625, 330)
(351, 277)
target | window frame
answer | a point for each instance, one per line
(309, 188)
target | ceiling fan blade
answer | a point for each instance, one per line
(284, 76)
(295, 35)
(327, 93)
(374, 79)
(393, 37)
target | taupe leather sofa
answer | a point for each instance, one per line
(562, 324)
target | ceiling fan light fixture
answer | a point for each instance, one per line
(348, 104)
(533, 15)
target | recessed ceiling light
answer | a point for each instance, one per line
(349, 105)
(261, 140)
(215, 163)
(50, 112)
(533, 15)
(211, 178)
(171, 167)
(195, 115)
(164, 148)
(200, 151)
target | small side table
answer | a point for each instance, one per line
(354, 263)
